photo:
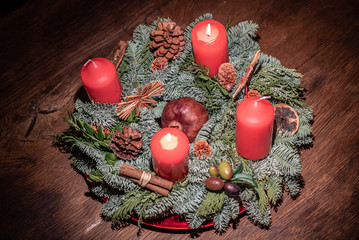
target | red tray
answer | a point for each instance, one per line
(173, 222)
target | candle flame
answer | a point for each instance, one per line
(168, 137)
(208, 31)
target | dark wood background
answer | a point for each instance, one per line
(43, 46)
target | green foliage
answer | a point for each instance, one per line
(95, 177)
(99, 114)
(262, 182)
(214, 202)
(83, 132)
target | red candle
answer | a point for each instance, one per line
(101, 81)
(254, 129)
(209, 42)
(170, 147)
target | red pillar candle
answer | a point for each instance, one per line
(170, 147)
(254, 128)
(209, 42)
(101, 81)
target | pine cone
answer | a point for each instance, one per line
(169, 40)
(202, 148)
(227, 76)
(253, 93)
(128, 144)
(159, 63)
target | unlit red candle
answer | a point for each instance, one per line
(254, 128)
(209, 42)
(101, 81)
(170, 147)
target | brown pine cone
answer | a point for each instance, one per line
(253, 93)
(227, 76)
(202, 148)
(159, 63)
(128, 144)
(169, 40)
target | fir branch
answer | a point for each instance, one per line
(214, 202)
(262, 196)
(287, 159)
(113, 203)
(222, 217)
(293, 184)
(99, 114)
(130, 201)
(274, 188)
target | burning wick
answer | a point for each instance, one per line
(208, 31)
(168, 137)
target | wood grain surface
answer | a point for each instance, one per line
(43, 46)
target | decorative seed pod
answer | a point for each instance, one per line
(227, 76)
(128, 144)
(159, 63)
(202, 148)
(168, 40)
(253, 93)
(286, 118)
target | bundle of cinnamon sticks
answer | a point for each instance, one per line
(154, 183)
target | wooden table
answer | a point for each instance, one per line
(43, 47)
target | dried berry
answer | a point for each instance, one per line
(213, 171)
(214, 183)
(231, 189)
(225, 170)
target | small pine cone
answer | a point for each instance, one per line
(253, 93)
(202, 148)
(168, 40)
(227, 76)
(159, 63)
(128, 144)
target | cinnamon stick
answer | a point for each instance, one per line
(152, 187)
(248, 73)
(119, 53)
(156, 183)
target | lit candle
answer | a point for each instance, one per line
(170, 147)
(254, 128)
(209, 42)
(101, 81)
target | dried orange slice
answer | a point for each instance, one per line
(286, 118)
